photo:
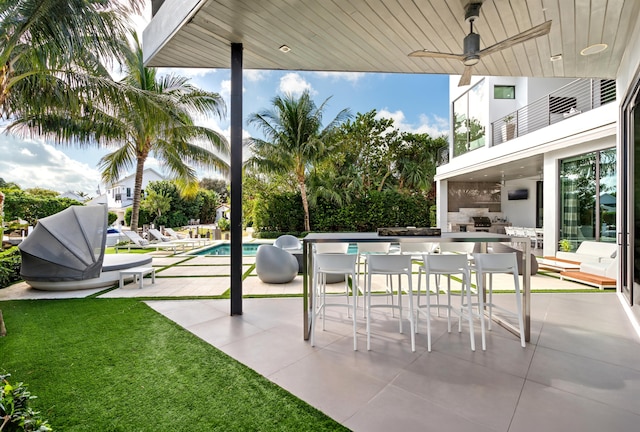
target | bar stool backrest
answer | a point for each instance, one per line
(340, 248)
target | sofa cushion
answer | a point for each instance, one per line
(591, 252)
(608, 269)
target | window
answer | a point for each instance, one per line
(128, 192)
(588, 197)
(504, 92)
(469, 113)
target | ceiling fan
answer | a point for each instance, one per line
(472, 52)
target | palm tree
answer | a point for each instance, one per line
(48, 51)
(163, 128)
(295, 139)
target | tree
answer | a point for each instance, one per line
(156, 203)
(294, 139)
(49, 51)
(218, 186)
(165, 129)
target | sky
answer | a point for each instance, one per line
(416, 103)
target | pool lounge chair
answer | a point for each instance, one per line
(137, 242)
(183, 243)
(174, 235)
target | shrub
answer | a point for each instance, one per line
(224, 224)
(15, 413)
(9, 266)
(111, 218)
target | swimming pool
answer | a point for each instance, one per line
(248, 249)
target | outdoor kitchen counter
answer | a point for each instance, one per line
(447, 237)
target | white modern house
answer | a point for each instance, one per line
(532, 152)
(120, 193)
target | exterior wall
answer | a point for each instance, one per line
(521, 212)
(589, 131)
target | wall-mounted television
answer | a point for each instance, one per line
(518, 194)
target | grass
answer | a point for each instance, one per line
(117, 365)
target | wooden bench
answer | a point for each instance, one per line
(597, 281)
(138, 274)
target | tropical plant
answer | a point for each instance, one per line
(156, 203)
(15, 412)
(165, 130)
(49, 51)
(294, 139)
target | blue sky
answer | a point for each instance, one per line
(417, 103)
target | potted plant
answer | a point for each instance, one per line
(565, 245)
(508, 128)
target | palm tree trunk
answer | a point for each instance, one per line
(137, 190)
(3, 329)
(305, 206)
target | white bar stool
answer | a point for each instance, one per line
(364, 251)
(489, 264)
(449, 265)
(390, 265)
(337, 264)
(417, 252)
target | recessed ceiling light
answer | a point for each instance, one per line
(556, 57)
(594, 49)
(284, 49)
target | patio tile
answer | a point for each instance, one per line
(252, 285)
(394, 409)
(188, 313)
(543, 408)
(195, 270)
(23, 291)
(592, 379)
(485, 396)
(331, 382)
(173, 287)
(170, 260)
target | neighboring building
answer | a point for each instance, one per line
(532, 152)
(120, 193)
(222, 212)
(73, 196)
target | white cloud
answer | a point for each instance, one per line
(433, 125)
(34, 163)
(294, 84)
(255, 75)
(347, 76)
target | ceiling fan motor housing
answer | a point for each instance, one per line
(471, 49)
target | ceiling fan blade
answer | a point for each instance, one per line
(433, 54)
(465, 79)
(532, 33)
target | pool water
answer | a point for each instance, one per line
(248, 249)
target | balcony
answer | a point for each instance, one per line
(573, 99)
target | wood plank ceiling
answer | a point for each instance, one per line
(377, 35)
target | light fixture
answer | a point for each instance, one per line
(555, 57)
(471, 60)
(594, 49)
(284, 49)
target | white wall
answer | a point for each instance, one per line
(520, 212)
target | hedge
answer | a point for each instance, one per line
(9, 266)
(282, 213)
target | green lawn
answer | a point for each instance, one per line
(117, 365)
